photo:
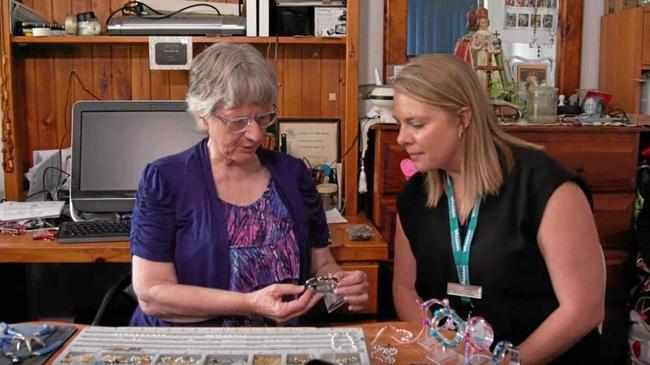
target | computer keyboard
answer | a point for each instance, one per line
(94, 231)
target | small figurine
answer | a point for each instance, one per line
(483, 51)
(561, 100)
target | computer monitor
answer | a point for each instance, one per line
(113, 141)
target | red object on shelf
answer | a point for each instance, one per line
(604, 97)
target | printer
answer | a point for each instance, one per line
(182, 25)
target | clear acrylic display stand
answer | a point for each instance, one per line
(427, 341)
(441, 355)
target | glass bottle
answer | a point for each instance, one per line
(87, 24)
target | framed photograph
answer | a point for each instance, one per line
(510, 20)
(547, 20)
(536, 20)
(522, 20)
(532, 74)
(316, 141)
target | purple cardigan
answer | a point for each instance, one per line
(178, 218)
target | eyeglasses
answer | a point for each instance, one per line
(239, 124)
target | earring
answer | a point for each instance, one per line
(460, 134)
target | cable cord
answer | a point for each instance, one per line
(73, 73)
(136, 8)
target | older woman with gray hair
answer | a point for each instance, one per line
(225, 233)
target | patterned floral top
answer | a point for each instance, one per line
(263, 248)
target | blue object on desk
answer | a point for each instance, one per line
(31, 345)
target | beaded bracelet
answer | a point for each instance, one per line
(323, 284)
(387, 354)
(443, 317)
(447, 318)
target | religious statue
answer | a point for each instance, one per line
(482, 50)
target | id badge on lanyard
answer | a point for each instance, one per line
(461, 252)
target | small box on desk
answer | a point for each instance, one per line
(613, 6)
(330, 22)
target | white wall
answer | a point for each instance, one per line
(517, 41)
(592, 12)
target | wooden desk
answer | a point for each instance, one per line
(23, 249)
(406, 354)
(360, 255)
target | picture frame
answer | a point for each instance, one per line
(314, 140)
(533, 74)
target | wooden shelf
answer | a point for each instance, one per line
(317, 76)
(104, 39)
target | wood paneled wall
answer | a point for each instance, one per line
(311, 78)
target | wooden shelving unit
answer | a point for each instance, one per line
(317, 78)
(116, 40)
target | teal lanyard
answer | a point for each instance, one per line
(461, 253)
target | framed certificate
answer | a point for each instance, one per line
(316, 141)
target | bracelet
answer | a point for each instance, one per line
(447, 318)
(479, 335)
(424, 307)
(506, 348)
(323, 284)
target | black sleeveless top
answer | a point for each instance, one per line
(504, 259)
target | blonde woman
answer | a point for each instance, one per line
(521, 249)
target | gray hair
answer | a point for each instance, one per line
(228, 75)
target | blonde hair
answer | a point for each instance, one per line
(448, 83)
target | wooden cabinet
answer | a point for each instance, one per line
(386, 180)
(624, 56)
(645, 55)
(607, 160)
(317, 77)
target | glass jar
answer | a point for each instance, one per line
(327, 193)
(87, 24)
(542, 104)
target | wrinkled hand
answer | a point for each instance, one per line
(267, 302)
(353, 287)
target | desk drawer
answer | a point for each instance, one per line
(372, 271)
(613, 214)
(607, 161)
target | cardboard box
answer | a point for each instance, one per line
(330, 22)
(624, 4)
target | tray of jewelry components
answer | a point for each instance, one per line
(215, 346)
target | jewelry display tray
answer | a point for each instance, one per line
(215, 346)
